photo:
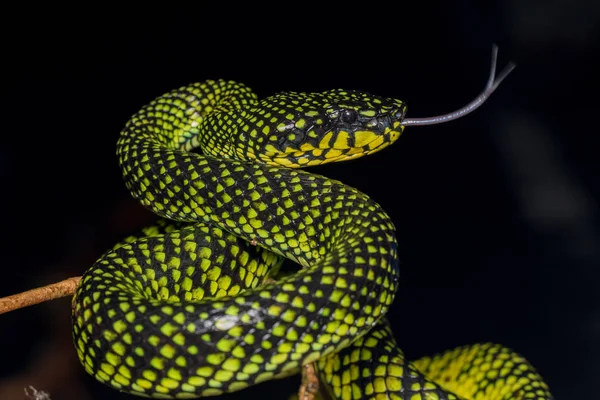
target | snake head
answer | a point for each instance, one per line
(305, 129)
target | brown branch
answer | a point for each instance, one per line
(39, 295)
(310, 383)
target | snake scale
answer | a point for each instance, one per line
(187, 308)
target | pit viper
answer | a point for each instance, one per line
(188, 308)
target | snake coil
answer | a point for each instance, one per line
(186, 309)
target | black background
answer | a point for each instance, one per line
(497, 213)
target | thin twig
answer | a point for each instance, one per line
(39, 295)
(310, 383)
(34, 394)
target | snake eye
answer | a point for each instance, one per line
(349, 116)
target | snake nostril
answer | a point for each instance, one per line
(398, 114)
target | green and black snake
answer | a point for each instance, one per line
(187, 308)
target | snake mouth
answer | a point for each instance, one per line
(343, 146)
(347, 156)
(375, 144)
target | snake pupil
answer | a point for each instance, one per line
(349, 116)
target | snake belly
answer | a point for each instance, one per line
(184, 309)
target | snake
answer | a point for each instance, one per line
(201, 302)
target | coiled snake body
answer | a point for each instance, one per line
(185, 309)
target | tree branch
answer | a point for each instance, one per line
(39, 295)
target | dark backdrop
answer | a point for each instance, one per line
(497, 213)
